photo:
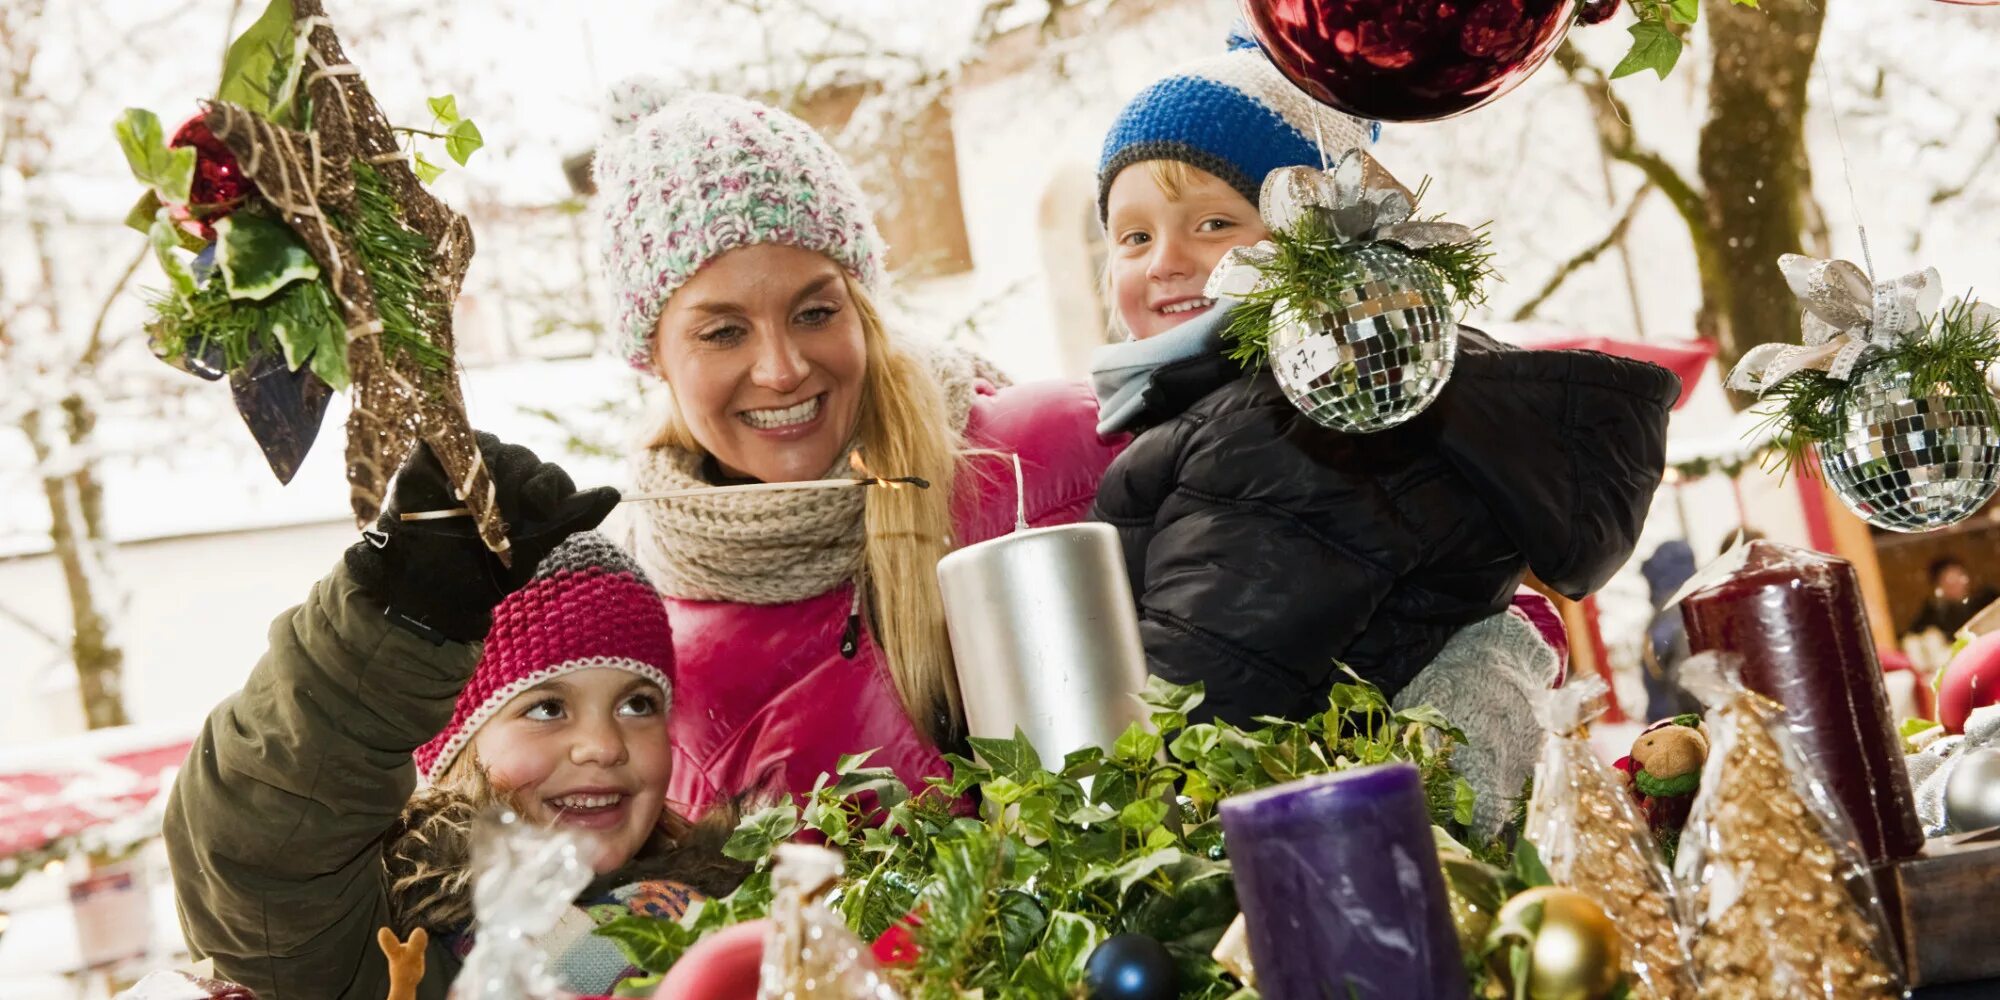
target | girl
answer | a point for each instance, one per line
(292, 830)
(1264, 548)
(807, 624)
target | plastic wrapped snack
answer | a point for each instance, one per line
(1772, 877)
(809, 954)
(1592, 839)
(524, 880)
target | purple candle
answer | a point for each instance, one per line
(1341, 890)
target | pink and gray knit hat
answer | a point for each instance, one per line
(687, 176)
(589, 605)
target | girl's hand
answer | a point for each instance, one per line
(436, 577)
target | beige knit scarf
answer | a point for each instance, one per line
(776, 547)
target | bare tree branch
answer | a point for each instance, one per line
(28, 625)
(1942, 195)
(1621, 143)
(1586, 255)
(93, 347)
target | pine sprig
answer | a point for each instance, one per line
(1950, 356)
(1313, 263)
(207, 321)
(397, 259)
(1062, 856)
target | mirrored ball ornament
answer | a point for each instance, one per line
(1909, 460)
(1372, 354)
(1972, 792)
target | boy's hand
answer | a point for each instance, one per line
(436, 577)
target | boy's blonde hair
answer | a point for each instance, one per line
(1173, 177)
(904, 430)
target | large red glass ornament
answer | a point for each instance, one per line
(1408, 60)
(219, 183)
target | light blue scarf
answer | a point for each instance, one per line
(1121, 373)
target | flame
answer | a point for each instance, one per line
(861, 468)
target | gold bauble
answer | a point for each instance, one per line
(1474, 891)
(1576, 955)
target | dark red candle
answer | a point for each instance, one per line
(1796, 618)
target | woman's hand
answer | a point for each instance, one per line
(436, 577)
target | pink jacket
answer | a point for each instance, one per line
(762, 697)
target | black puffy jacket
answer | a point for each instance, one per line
(1264, 547)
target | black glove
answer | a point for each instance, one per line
(436, 577)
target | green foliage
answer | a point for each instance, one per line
(464, 139)
(461, 137)
(300, 319)
(1950, 355)
(261, 69)
(1012, 902)
(1656, 39)
(168, 172)
(166, 249)
(257, 256)
(426, 170)
(398, 260)
(1313, 263)
(1654, 47)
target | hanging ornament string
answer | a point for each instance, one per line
(1846, 164)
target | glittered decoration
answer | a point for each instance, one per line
(219, 182)
(1912, 458)
(1369, 355)
(1781, 900)
(1408, 60)
(809, 953)
(1592, 838)
(1350, 300)
(525, 877)
(309, 178)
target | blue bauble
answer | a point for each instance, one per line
(1131, 967)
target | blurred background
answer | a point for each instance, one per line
(145, 545)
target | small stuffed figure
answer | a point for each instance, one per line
(1663, 773)
(406, 961)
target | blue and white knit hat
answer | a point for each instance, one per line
(1233, 115)
(685, 177)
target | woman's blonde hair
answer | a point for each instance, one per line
(1173, 177)
(904, 430)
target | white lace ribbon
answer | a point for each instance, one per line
(1359, 201)
(1844, 320)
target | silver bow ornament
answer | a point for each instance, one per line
(1845, 320)
(1359, 201)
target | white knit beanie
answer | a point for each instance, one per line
(685, 177)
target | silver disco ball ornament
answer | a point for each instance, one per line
(1372, 354)
(1912, 462)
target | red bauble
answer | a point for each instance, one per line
(721, 966)
(897, 945)
(1408, 60)
(1971, 680)
(219, 183)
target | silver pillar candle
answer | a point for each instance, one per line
(1046, 637)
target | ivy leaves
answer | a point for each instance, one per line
(1656, 39)
(461, 138)
(168, 172)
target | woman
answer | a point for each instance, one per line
(807, 623)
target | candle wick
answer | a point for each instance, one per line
(1020, 497)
